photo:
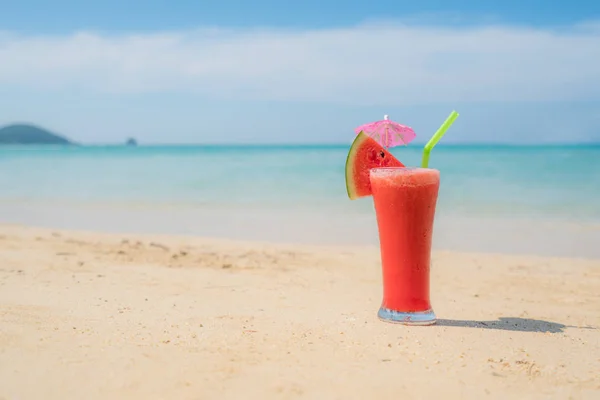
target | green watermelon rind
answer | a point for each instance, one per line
(350, 163)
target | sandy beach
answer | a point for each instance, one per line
(106, 316)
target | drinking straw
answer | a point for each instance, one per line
(436, 137)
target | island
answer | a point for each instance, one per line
(30, 134)
(131, 142)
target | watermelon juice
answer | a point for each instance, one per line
(405, 201)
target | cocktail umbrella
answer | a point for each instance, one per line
(387, 132)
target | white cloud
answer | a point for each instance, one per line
(392, 64)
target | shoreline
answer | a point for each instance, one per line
(524, 235)
(219, 241)
(99, 315)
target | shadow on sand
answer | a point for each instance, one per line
(511, 324)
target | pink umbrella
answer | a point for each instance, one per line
(388, 133)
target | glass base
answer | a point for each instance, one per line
(407, 318)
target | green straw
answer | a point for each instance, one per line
(436, 137)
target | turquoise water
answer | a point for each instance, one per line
(549, 182)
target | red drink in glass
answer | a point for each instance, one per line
(405, 200)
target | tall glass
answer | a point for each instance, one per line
(405, 201)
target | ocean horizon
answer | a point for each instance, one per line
(490, 196)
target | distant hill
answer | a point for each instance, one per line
(29, 134)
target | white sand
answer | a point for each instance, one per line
(98, 316)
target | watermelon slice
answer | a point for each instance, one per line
(365, 153)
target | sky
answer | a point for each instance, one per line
(264, 71)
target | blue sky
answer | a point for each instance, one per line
(149, 15)
(261, 71)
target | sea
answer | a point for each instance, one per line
(493, 198)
